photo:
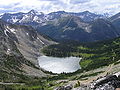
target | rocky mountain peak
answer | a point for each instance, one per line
(34, 12)
(86, 12)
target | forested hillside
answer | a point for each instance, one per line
(93, 55)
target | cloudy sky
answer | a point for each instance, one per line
(46, 6)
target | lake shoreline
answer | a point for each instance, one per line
(59, 65)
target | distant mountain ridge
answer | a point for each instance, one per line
(30, 18)
(33, 17)
(84, 26)
(74, 28)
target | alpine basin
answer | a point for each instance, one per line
(59, 65)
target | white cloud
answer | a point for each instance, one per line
(46, 6)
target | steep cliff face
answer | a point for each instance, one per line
(19, 50)
(27, 40)
(11, 59)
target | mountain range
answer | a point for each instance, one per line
(84, 26)
(33, 17)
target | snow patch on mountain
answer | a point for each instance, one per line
(40, 40)
(11, 29)
(6, 31)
